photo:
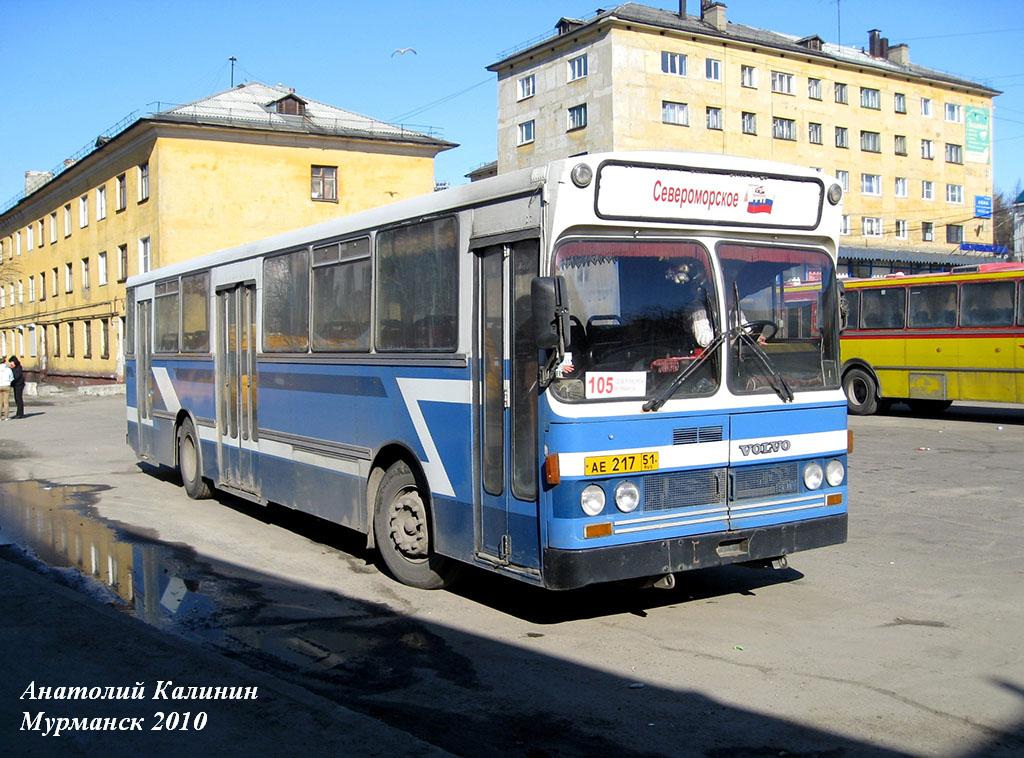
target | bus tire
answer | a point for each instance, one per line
(190, 462)
(861, 392)
(402, 532)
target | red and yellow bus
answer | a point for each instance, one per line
(930, 339)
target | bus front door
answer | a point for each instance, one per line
(507, 514)
(144, 377)
(236, 381)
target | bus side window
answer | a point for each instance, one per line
(852, 309)
(883, 308)
(932, 307)
(986, 304)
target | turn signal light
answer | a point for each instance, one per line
(834, 499)
(552, 475)
(849, 440)
(597, 530)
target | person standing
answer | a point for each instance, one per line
(18, 385)
(6, 377)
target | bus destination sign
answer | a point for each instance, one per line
(651, 192)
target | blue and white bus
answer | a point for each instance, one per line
(579, 373)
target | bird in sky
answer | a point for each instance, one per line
(403, 51)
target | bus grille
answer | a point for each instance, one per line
(695, 434)
(684, 489)
(765, 481)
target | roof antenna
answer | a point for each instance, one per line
(232, 59)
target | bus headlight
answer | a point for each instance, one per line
(627, 497)
(592, 500)
(835, 471)
(835, 194)
(581, 174)
(813, 475)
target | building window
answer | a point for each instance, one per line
(842, 136)
(577, 67)
(525, 133)
(53, 228)
(899, 102)
(954, 233)
(926, 107)
(782, 83)
(843, 177)
(901, 186)
(122, 192)
(675, 113)
(31, 289)
(841, 94)
(87, 352)
(814, 89)
(955, 194)
(954, 153)
(927, 149)
(101, 203)
(814, 133)
(783, 128)
(713, 69)
(30, 235)
(901, 229)
(749, 123)
(714, 118)
(122, 262)
(85, 273)
(83, 211)
(870, 98)
(104, 338)
(527, 86)
(871, 226)
(577, 117)
(71, 339)
(927, 231)
(954, 113)
(144, 261)
(42, 237)
(17, 242)
(673, 63)
(42, 286)
(871, 142)
(55, 284)
(323, 183)
(143, 181)
(69, 277)
(927, 189)
(101, 269)
(3, 304)
(871, 184)
(844, 224)
(67, 220)
(748, 76)
(900, 144)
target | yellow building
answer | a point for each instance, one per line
(240, 165)
(911, 145)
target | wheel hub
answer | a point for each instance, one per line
(408, 525)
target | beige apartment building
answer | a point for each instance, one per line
(187, 180)
(911, 145)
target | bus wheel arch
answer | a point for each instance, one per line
(862, 389)
(188, 457)
(401, 521)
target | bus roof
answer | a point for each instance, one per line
(514, 183)
(1000, 270)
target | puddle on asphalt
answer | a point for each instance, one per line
(250, 614)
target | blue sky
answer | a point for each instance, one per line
(74, 69)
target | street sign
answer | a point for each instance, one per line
(983, 206)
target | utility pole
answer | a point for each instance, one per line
(232, 59)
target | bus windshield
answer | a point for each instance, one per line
(788, 304)
(640, 312)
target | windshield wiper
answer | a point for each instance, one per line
(670, 389)
(776, 379)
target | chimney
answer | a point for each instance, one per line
(874, 42)
(36, 179)
(713, 14)
(900, 54)
(883, 48)
(682, 8)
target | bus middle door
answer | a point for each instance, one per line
(236, 379)
(507, 513)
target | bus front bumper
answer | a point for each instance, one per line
(569, 569)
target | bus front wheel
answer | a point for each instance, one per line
(861, 392)
(402, 533)
(190, 466)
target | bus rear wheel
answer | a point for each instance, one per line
(861, 392)
(402, 533)
(190, 466)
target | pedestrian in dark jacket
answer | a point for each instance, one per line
(18, 385)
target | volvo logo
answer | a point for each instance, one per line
(763, 448)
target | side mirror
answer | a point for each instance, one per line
(550, 311)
